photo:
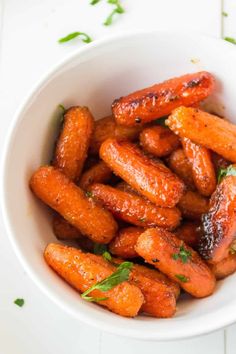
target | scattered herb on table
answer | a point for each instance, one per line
(119, 276)
(117, 10)
(19, 302)
(230, 39)
(84, 37)
(225, 14)
(228, 171)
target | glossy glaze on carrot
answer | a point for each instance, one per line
(189, 232)
(180, 165)
(219, 224)
(123, 245)
(73, 142)
(98, 173)
(225, 267)
(150, 178)
(106, 128)
(204, 129)
(159, 247)
(158, 141)
(82, 270)
(63, 230)
(62, 195)
(134, 209)
(159, 100)
(202, 167)
(192, 205)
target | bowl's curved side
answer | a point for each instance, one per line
(94, 76)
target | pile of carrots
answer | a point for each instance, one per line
(148, 197)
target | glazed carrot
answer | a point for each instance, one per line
(225, 267)
(123, 244)
(62, 195)
(202, 167)
(106, 128)
(219, 224)
(159, 294)
(99, 173)
(63, 230)
(177, 260)
(134, 209)
(73, 142)
(151, 179)
(189, 232)
(159, 100)
(158, 141)
(205, 129)
(82, 271)
(180, 165)
(192, 205)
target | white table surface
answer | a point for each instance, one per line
(29, 30)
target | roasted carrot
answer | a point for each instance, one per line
(73, 142)
(205, 129)
(159, 100)
(219, 161)
(63, 230)
(123, 244)
(180, 165)
(225, 267)
(151, 179)
(106, 128)
(189, 232)
(99, 173)
(192, 205)
(219, 224)
(62, 195)
(177, 260)
(82, 271)
(202, 167)
(134, 209)
(158, 141)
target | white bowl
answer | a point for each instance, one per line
(94, 76)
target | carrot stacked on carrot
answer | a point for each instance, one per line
(146, 199)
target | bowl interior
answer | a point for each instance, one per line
(95, 76)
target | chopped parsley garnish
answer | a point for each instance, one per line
(99, 248)
(142, 219)
(62, 108)
(107, 256)
(119, 276)
(232, 249)
(183, 254)
(84, 37)
(94, 2)
(228, 171)
(182, 278)
(89, 194)
(19, 302)
(230, 39)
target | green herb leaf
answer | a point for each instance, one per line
(94, 2)
(118, 277)
(99, 248)
(118, 10)
(142, 219)
(230, 39)
(228, 171)
(62, 108)
(182, 278)
(89, 194)
(19, 302)
(95, 299)
(225, 14)
(232, 249)
(107, 256)
(84, 37)
(183, 254)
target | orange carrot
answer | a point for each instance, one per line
(62, 195)
(123, 244)
(159, 100)
(192, 205)
(99, 173)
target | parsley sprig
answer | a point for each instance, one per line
(118, 9)
(228, 171)
(230, 39)
(119, 276)
(84, 37)
(19, 302)
(183, 254)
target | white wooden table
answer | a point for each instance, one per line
(29, 30)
